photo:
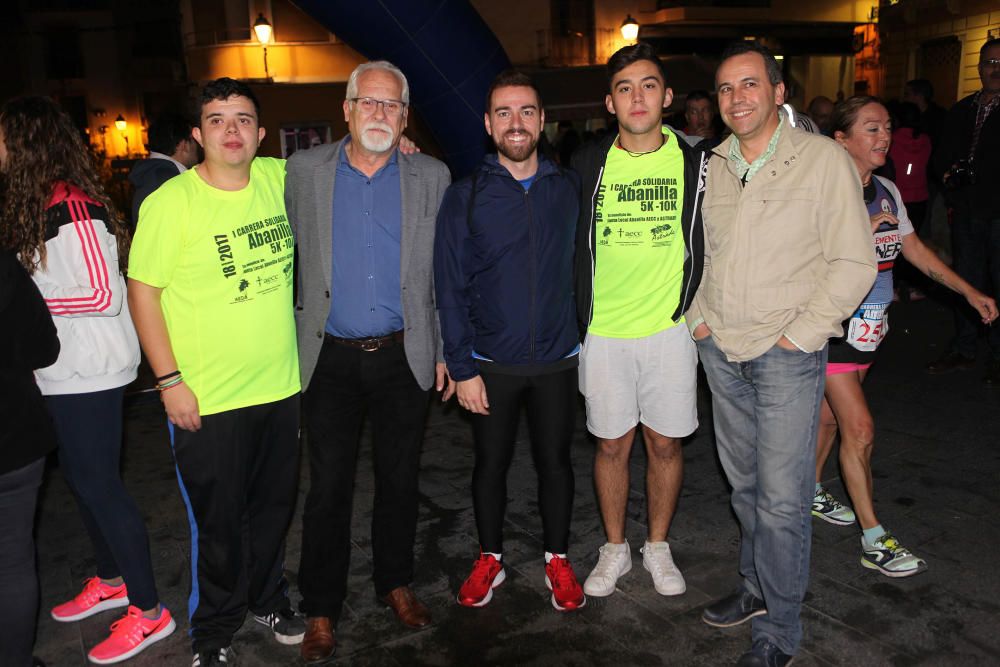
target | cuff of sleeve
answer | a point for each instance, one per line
(463, 371)
(795, 342)
(694, 324)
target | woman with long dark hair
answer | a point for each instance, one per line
(862, 126)
(57, 217)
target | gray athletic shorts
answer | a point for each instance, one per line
(652, 380)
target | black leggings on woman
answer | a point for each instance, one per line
(550, 401)
(90, 443)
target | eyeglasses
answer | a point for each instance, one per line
(368, 105)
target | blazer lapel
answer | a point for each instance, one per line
(324, 176)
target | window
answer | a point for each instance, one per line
(303, 136)
(63, 56)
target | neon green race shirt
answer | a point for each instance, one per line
(224, 262)
(639, 264)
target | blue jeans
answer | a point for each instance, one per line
(766, 413)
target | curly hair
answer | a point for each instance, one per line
(43, 147)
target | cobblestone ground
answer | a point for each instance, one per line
(937, 485)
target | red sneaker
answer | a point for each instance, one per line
(487, 574)
(95, 597)
(132, 634)
(567, 594)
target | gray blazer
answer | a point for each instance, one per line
(309, 186)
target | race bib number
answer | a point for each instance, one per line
(868, 326)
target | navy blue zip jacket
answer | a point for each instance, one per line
(503, 269)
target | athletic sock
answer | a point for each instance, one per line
(819, 487)
(549, 556)
(499, 557)
(873, 533)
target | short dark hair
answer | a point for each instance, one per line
(744, 46)
(921, 87)
(509, 78)
(846, 113)
(223, 89)
(629, 55)
(168, 130)
(696, 95)
(907, 114)
(990, 43)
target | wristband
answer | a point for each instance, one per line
(170, 383)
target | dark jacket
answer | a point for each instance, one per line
(983, 197)
(147, 176)
(503, 269)
(589, 162)
(27, 341)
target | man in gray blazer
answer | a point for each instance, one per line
(369, 342)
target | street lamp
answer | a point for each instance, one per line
(262, 28)
(120, 125)
(630, 28)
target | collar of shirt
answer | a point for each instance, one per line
(345, 162)
(745, 170)
(153, 155)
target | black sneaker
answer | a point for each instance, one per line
(764, 654)
(222, 656)
(952, 361)
(992, 377)
(288, 628)
(739, 607)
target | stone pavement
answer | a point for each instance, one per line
(937, 485)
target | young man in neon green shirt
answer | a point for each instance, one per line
(639, 252)
(210, 288)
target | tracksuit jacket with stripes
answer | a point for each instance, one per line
(85, 293)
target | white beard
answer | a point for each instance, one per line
(377, 143)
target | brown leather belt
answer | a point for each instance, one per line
(369, 344)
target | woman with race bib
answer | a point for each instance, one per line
(862, 126)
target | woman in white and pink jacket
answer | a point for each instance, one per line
(57, 217)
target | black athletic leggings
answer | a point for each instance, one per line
(550, 400)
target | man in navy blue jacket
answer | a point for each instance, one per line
(503, 269)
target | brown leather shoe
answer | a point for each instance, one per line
(410, 611)
(319, 643)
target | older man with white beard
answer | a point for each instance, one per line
(369, 342)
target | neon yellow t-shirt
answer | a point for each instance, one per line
(639, 265)
(224, 262)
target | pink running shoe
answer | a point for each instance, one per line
(95, 597)
(567, 594)
(132, 634)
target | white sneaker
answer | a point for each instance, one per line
(614, 561)
(657, 560)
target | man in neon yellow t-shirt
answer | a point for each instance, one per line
(210, 289)
(639, 252)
